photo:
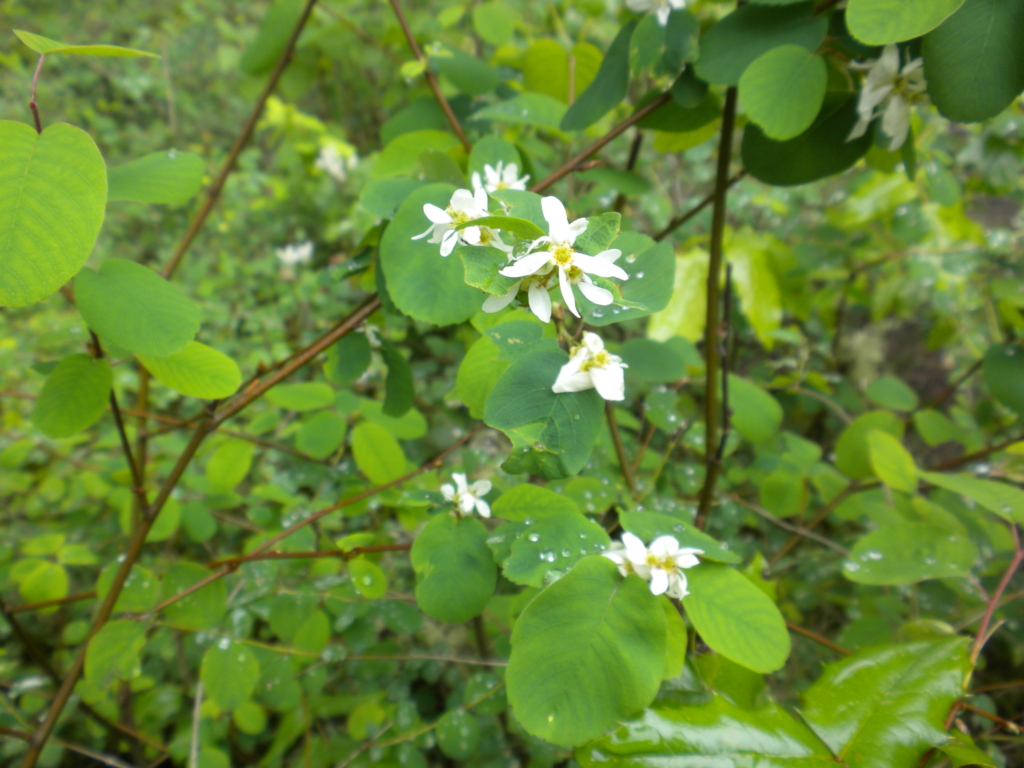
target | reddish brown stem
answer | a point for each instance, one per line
(685, 217)
(620, 450)
(50, 603)
(993, 602)
(817, 638)
(343, 554)
(32, 103)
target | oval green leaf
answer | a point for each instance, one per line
(783, 89)
(906, 553)
(455, 574)
(891, 462)
(229, 673)
(1003, 369)
(54, 191)
(877, 22)
(305, 396)
(378, 455)
(160, 177)
(196, 371)
(46, 46)
(74, 396)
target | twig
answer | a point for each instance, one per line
(431, 79)
(243, 138)
(49, 603)
(32, 104)
(620, 450)
(967, 459)
(835, 407)
(427, 657)
(99, 757)
(340, 553)
(998, 686)
(634, 153)
(224, 571)
(726, 332)
(838, 499)
(818, 638)
(361, 33)
(578, 159)
(711, 330)
(806, 533)
(193, 746)
(685, 217)
(955, 385)
(1007, 724)
(982, 636)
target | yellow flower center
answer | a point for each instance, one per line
(600, 360)
(563, 255)
(458, 217)
(664, 563)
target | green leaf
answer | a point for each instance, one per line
(586, 652)
(673, 117)
(134, 308)
(160, 177)
(752, 257)
(275, 29)
(877, 22)
(494, 21)
(653, 361)
(382, 197)
(74, 396)
(545, 68)
(455, 574)
(229, 673)
(552, 434)
(478, 372)
(820, 151)
(196, 371)
(714, 734)
(314, 633)
(935, 428)
(609, 87)
(229, 464)
(890, 392)
(113, 652)
(651, 269)
(756, 415)
(140, 592)
(204, 608)
(321, 434)
(535, 109)
(306, 396)
(377, 454)
(482, 267)
(1003, 499)
(735, 618)
(46, 46)
(961, 751)
(734, 42)
(852, 451)
(553, 543)
(650, 525)
(249, 718)
(54, 188)
(884, 706)
(410, 426)
(45, 581)
(527, 230)
(1003, 369)
(891, 462)
(685, 313)
(906, 553)
(470, 75)
(682, 39)
(974, 62)
(348, 359)
(458, 734)
(491, 150)
(532, 502)
(401, 156)
(782, 90)
(422, 283)
(367, 577)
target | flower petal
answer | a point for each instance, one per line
(449, 241)
(567, 295)
(659, 581)
(481, 488)
(540, 302)
(593, 342)
(558, 222)
(483, 508)
(609, 382)
(436, 215)
(527, 265)
(460, 481)
(596, 293)
(498, 303)
(594, 266)
(635, 549)
(448, 491)
(612, 255)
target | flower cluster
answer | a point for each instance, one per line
(468, 497)
(662, 564)
(538, 266)
(895, 88)
(295, 253)
(334, 163)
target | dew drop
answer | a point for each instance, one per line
(566, 553)
(224, 643)
(851, 566)
(547, 556)
(534, 537)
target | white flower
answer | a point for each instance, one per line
(296, 253)
(334, 164)
(590, 365)
(901, 87)
(537, 292)
(464, 206)
(500, 177)
(661, 7)
(468, 497)
(662, 563)
(573, 268)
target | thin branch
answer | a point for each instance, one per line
(726, 332)
(620, 450)
(818, 638)
(427, 657)
(778, 521)
(361, 33)
(99, 757)
(225, 570)
(32, 104)
(577, 160)
(1003, 722)
(825, 511)
(982, 636)
(243, 138)
(634, 153)
(835, 407)
(344, 554)
(197, 707)
(685, 217)
(711, 329)
(968, 458)
(50, 603)
(955, 385)
(431, 79)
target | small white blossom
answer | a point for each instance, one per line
(468, 497)
(661, 8)
(334, 164)
(500, 177)
(537, 293)
(591, 365)
(661, 564)
(574, 268)
(902, 88)
(464, 206)
(296, 253)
